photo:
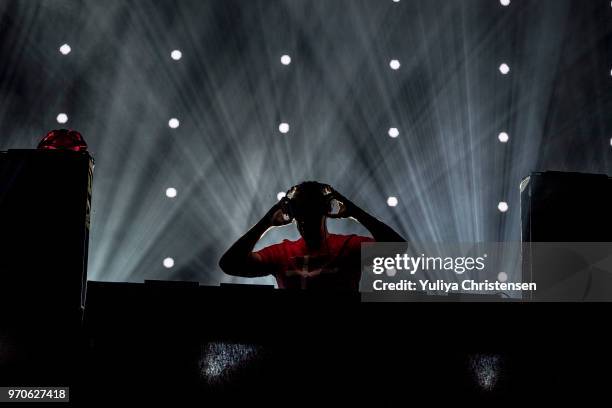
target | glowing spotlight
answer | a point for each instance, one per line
(285, 60)
(65, 49)
(504, 69)
(502, 276)
(393, 132)
(394, 64)
(392, 201)
(391, 272)
(176, 55)
(611, 142)
(502, 206)
(168, 263)
(503, 137)
(174, 123)
(505, 3)
(283, 128)
(62, 118)
(396, 1)
(171, 192)
(281, 195)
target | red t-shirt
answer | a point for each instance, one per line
(337, 265)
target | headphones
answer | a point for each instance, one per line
(288, 202)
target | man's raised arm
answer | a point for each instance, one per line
(239, 259)
(380, 231)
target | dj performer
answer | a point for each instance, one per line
(318, 260)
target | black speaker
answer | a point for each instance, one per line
(45, 200)
(566, 233)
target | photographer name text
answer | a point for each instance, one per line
(440, 285)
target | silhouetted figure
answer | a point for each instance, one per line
(318, 260)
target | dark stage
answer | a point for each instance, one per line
(184, 343)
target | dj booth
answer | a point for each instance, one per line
(326, 346)
(162, 340)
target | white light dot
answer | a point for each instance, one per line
(285, 60)
(176, 55)
(393, 132)
(392, 201)
(503, 137)
(281, 195)
(283, 127)
(504, 69)
(65, 49)
(391, 272)
(171, 192)
(611, 72)
(168, 262)
(62, 118)
(502, 206)
(505, 3)
(502, 276)
(611, 142)
(174, 123)
(396, 1)
(394, 64)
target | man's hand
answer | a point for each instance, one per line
(277, 216)
(347, 208)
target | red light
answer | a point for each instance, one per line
(63, 139)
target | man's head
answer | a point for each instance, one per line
(309, 203)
